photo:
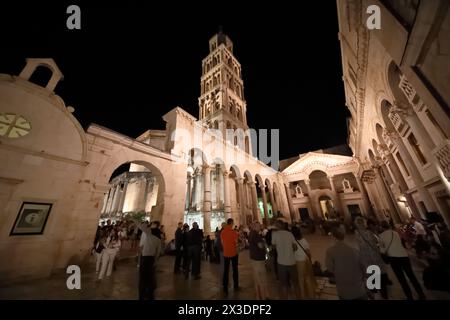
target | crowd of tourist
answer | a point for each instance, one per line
(281, 251)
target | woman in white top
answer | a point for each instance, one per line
(392, 246)
(109, 254)
(307, 281)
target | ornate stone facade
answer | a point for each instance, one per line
(399, 128)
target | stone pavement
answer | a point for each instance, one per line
(123, 282)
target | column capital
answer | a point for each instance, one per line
(206, 167)
(225, 173)
(239, 180)
(307, 181)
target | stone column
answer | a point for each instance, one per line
(272, 201)
(207, 200)
(123, 195)
(386, 193)
(198, 191)
(105, 202)
(365, 199)
(115, 202)
(110, 200)
(255, 208)
(292, 212)
(146, 191)
(402, 184)
(315, 211)
(226, 190)
(338, 199)
(240, 182)
(188, 192)
(222, 128)
(266, 211)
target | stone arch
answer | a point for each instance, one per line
(327, 205)
(33, 63)
(319, 180)
(258, 179)
(277, 195)
(372, 158)
(110, 167)
(385, 109)
(235, 170)
(248, 176)
(393, 80)
(379, 131)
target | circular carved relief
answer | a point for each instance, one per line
(13, 125)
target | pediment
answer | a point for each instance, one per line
(318, 161)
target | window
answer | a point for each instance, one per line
(402, 164)
(417, 149)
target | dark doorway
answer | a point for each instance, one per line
(354, 210)
(304, 214)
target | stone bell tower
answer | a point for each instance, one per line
(221, 104)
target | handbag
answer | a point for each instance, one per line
(306, 253)
(385, 256)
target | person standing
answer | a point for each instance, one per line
(391, 245)
(178, 247)
(369, 252)
(151, 251)
(109, 254)
(307, 281)
(418, 227)
(208, 248)
(156, 231)
(257, 250)
(185, 252)
(285, 245)
(345, 264)
(194, 247)
(99, 247)
(229, 238)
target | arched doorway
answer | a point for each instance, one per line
(327, 207)
(135, 188)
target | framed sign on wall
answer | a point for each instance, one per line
(31, 218)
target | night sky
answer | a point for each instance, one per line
(133, 61)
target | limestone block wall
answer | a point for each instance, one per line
(44, 166)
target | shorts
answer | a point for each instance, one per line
(287, 275)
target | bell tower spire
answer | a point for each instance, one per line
(221, 103)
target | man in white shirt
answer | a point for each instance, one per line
(391, 245)
(151, 251)
(285, 245)
(418, 227)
